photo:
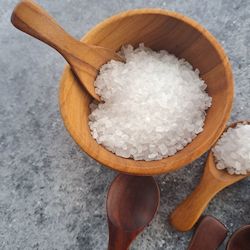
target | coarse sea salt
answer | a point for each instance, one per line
(154, 104)
(232, 151)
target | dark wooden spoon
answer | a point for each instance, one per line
(240, 240)
(85, 59)
(209, 234)
(131, 204)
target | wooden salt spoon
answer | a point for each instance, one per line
(84, 59)
(209, 234)
(213, 181)
(240, 240)
(131, 204)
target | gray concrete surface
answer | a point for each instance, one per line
(51, 194)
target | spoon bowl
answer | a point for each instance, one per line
(240, 240)
(186, 214)
(209, 234)
(157, 29)
(131, 205)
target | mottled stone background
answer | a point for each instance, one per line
(51, 194)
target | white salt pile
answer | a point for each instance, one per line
(232, 151)
(154, 104)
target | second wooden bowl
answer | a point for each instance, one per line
(157, 29)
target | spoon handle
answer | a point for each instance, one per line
(189, 211)
(118, 239)
(32, 19)
(209, 234)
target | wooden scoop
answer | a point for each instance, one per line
(213, 181)
(85, 60)
(209, 234)
(131, 204)
(240, 240)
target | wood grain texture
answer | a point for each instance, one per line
(158, 29)
(240, 240)
(186, 214)
(132, 202)
(85, 60)
(209, 234)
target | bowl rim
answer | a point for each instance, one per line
(150, 167)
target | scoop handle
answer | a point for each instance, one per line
(209, 234)
(186, 214)
(32, 19)
(119, 239)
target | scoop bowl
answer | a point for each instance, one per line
(132, 203)
(240, 240)
(157, 29)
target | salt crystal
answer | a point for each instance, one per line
(153, 105)
(232, 150)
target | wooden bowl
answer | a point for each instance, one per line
(157, 29)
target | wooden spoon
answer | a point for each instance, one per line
(240, 240)
(213, 181)
(85, 60)
(131, 204)
(209, 234)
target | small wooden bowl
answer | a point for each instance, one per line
(157, 29)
